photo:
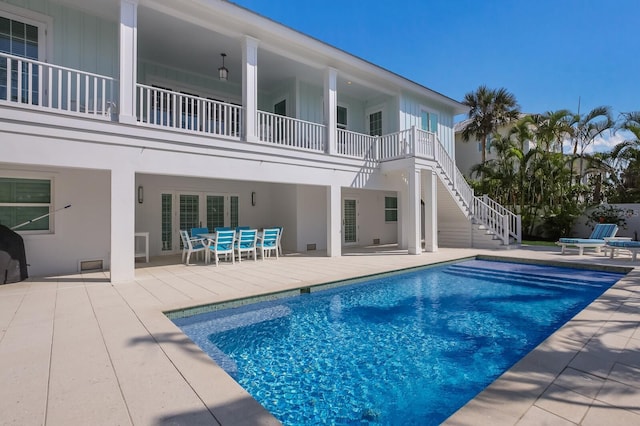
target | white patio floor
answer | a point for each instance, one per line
(78, 350)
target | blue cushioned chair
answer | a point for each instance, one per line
(596, 240)
(268, 242)
(191, 245)
(246, 243)
(632, 247)
(223, 244)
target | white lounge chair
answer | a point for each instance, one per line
(191, 245)
(595, 241)
(632, 247)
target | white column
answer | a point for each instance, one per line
(128, 60)
(123, 195)
(250, 86)
(413, 208)
(330, 106)
(334, 221)
(430, 197)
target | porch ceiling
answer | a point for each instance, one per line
(186, 36)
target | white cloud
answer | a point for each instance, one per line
(603, 143)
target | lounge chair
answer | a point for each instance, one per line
(595, 241)
(191, 245)
(246, 243)
(223, 244)
(632, 246)
(268, 242)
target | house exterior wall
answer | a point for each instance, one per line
(80, 232)
(77, 39)
(113, 152)
(410, 110)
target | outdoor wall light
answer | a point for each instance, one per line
(140, 194)
(222, 71)
(253, 198)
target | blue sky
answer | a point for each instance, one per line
(548, 53)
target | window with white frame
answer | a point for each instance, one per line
(341, 117)
(429, 121)
(390, 209)
(22, 200)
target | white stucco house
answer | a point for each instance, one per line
(124, 110)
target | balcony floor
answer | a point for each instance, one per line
(78, 350)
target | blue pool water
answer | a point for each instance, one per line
(403, 349)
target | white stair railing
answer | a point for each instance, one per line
(515, 220)
(499, 220)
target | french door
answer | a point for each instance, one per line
(350, 221)
(186, 210)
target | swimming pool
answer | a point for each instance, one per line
(410, 348)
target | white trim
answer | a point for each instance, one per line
(43, 22)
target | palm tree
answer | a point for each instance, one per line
(585, 129)
(489, 110)
(552, 128)
(626, 156)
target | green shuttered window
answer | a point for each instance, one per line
(390, 209)
(22, 200)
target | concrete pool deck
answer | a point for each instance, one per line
(77, 350)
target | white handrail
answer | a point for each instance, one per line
(359, 145)
(515, 220)
(38, 84)
(176, 110)
(282, 130)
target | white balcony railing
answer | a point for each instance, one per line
(165, 108)
(359, 145)
(395, 145)
(281, 130)
(40, 85)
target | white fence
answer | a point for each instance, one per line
(359, 145)
(166, 108)
(281, 130)
(40, 85)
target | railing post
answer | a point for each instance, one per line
(413, 141)
(330, 107)
(377, 148)
(505, 230)
(250, 88)
(518, 229)
(128, 61)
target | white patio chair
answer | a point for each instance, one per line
(191, 245)
(246, 243)
(268, 242)
(280, 229)
(223, 244)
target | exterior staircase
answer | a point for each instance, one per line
(488, 224)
